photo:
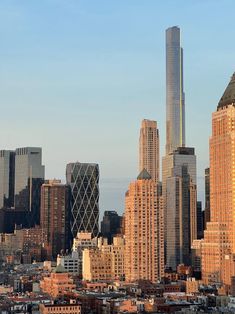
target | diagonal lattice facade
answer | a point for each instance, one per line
(83, 179)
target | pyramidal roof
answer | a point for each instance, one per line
(229, 94)
(144, 175)
(60, 269)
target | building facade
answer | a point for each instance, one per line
(111, 225)
(200, 221)
(218, 249)
(97, 265)
(61, 308)
(142, 256)
(180, 205)
(207, 195)
(175, 108)
(179, 189)
(57, 283)
(105, 262)
(82, 241)
(70, 262)
(29, 176)
(149, 149)
(83, 179)
(7, 178)
(55, 217)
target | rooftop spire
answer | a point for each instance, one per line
(144, 175)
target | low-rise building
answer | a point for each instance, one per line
(58, 283)
(192, 285)
(96, 265)
(71, 262)
(82, 241)
(196, 253)
(68, 308)
(106, 262)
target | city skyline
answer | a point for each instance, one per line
(136, 64)
(118, 195)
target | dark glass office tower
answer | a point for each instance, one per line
(200, 221)
(7, 174)
(207, 195)
(110, 225)
(29, 176)
(83, 179)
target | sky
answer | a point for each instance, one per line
(78, 76)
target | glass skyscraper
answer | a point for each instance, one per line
(29, 176)
(175, 110)
(7, 174)
(179, 194)
(179, 188)
(83, 179)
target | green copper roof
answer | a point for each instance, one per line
(229, 94)
(144, 175)
(60, 269)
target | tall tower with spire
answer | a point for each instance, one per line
(175, 109)
(218, 249)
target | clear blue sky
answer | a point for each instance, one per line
(78, 76)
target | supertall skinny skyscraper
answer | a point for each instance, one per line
(175, 111)
(179, 190)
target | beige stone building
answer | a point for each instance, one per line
(218, 248)
(143, 237)
(106, 262)
(192, 285)
(149, 148)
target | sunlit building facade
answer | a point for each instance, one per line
(218, 249)
(55, 217)
(143, 258)
(149, 148)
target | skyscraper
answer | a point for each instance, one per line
(207, 195)
(179, 190)
(83, 179)
(110, 225)
(200, 221)
(149, 149)
(144, 257)
(55, 216)
(175, 111)
(7, 178)
(29, 176)
(180, 208)
(218, 248)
